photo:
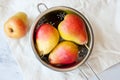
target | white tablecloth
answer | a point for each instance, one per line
(104, 16)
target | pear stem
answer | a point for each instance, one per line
(87, 47)
(42, 55)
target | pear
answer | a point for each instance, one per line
(73, 28)
(16, 26)
(65, 52)
(47, 38)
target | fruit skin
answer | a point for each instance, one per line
(65, 52)
(72, 28)
(22, 16)
(16, 26)
(47, 38)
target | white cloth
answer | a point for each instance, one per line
(104, 16)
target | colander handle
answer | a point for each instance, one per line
(92, 70)
(41, 7)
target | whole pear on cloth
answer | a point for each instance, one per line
(16, 26)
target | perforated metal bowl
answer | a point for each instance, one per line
(85, 51)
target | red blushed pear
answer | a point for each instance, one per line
(72, 28)
(65, 52)
(16, 26)
(47, 38)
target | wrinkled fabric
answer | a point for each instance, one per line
(104, 16)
